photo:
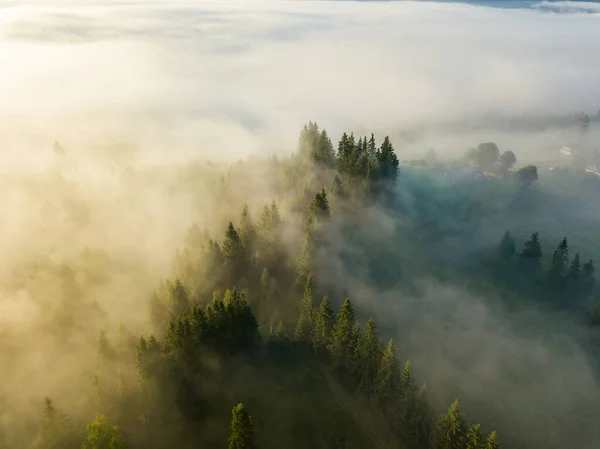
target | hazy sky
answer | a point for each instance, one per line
(221, 78)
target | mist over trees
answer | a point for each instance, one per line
(261, 336)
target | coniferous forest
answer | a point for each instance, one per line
(295, 320)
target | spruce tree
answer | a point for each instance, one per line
(242, 429)
(407, 413)
(423, 418)
(233, 254)
(531, 255)
(558, 265)
(451, 429)
(372, 148)
(368, 357)
(388, 377)
(387, 162)
(492, 441)
(324, 153)
(474, 440)
(305, 324)
(319, 208)
(323, 326)
(342, 332)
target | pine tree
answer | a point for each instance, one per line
(531, 255)
(451, 429)
(369, 357)
(319, 208)
(242, 429)
(342, 332)
(387, 162)
(323, 326)
(423, 421)
(324, 153)
(507, 246)
(56, 430)
(233, 254)
(305, 325)
(474, 440)
(558, 265)
(372, 148)
(492, 441)
(388, 377)
(407, 413)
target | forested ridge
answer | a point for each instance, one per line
(256, 340)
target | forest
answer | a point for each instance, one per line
(316, 317)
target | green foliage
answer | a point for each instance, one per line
(323, 327)
(341, 339)
(474, 440)
(319, 208)
(558, 266)
(100, 434)
(492, 441)
(388, 378)
(306, 321)
(451, 429)
(531, 255)
(234, 256)
(242, 429)
(368, 357)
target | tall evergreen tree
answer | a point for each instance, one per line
(531, 255)
(387, 162)
(368, 357)
(372, 148)
(340, 345)
(423, 419)
(407, 412)
(233, 254)
(451, 429)
(559, 263)
(242, 429)
(323, 326)
(324, 153)
(492, 441)
(474, 440)
(507, 246)
(388, 377)
(319, 208)
(305, 325)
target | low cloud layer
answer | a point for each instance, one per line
(184, 79)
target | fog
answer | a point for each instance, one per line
(228, 79)
(137, 91)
